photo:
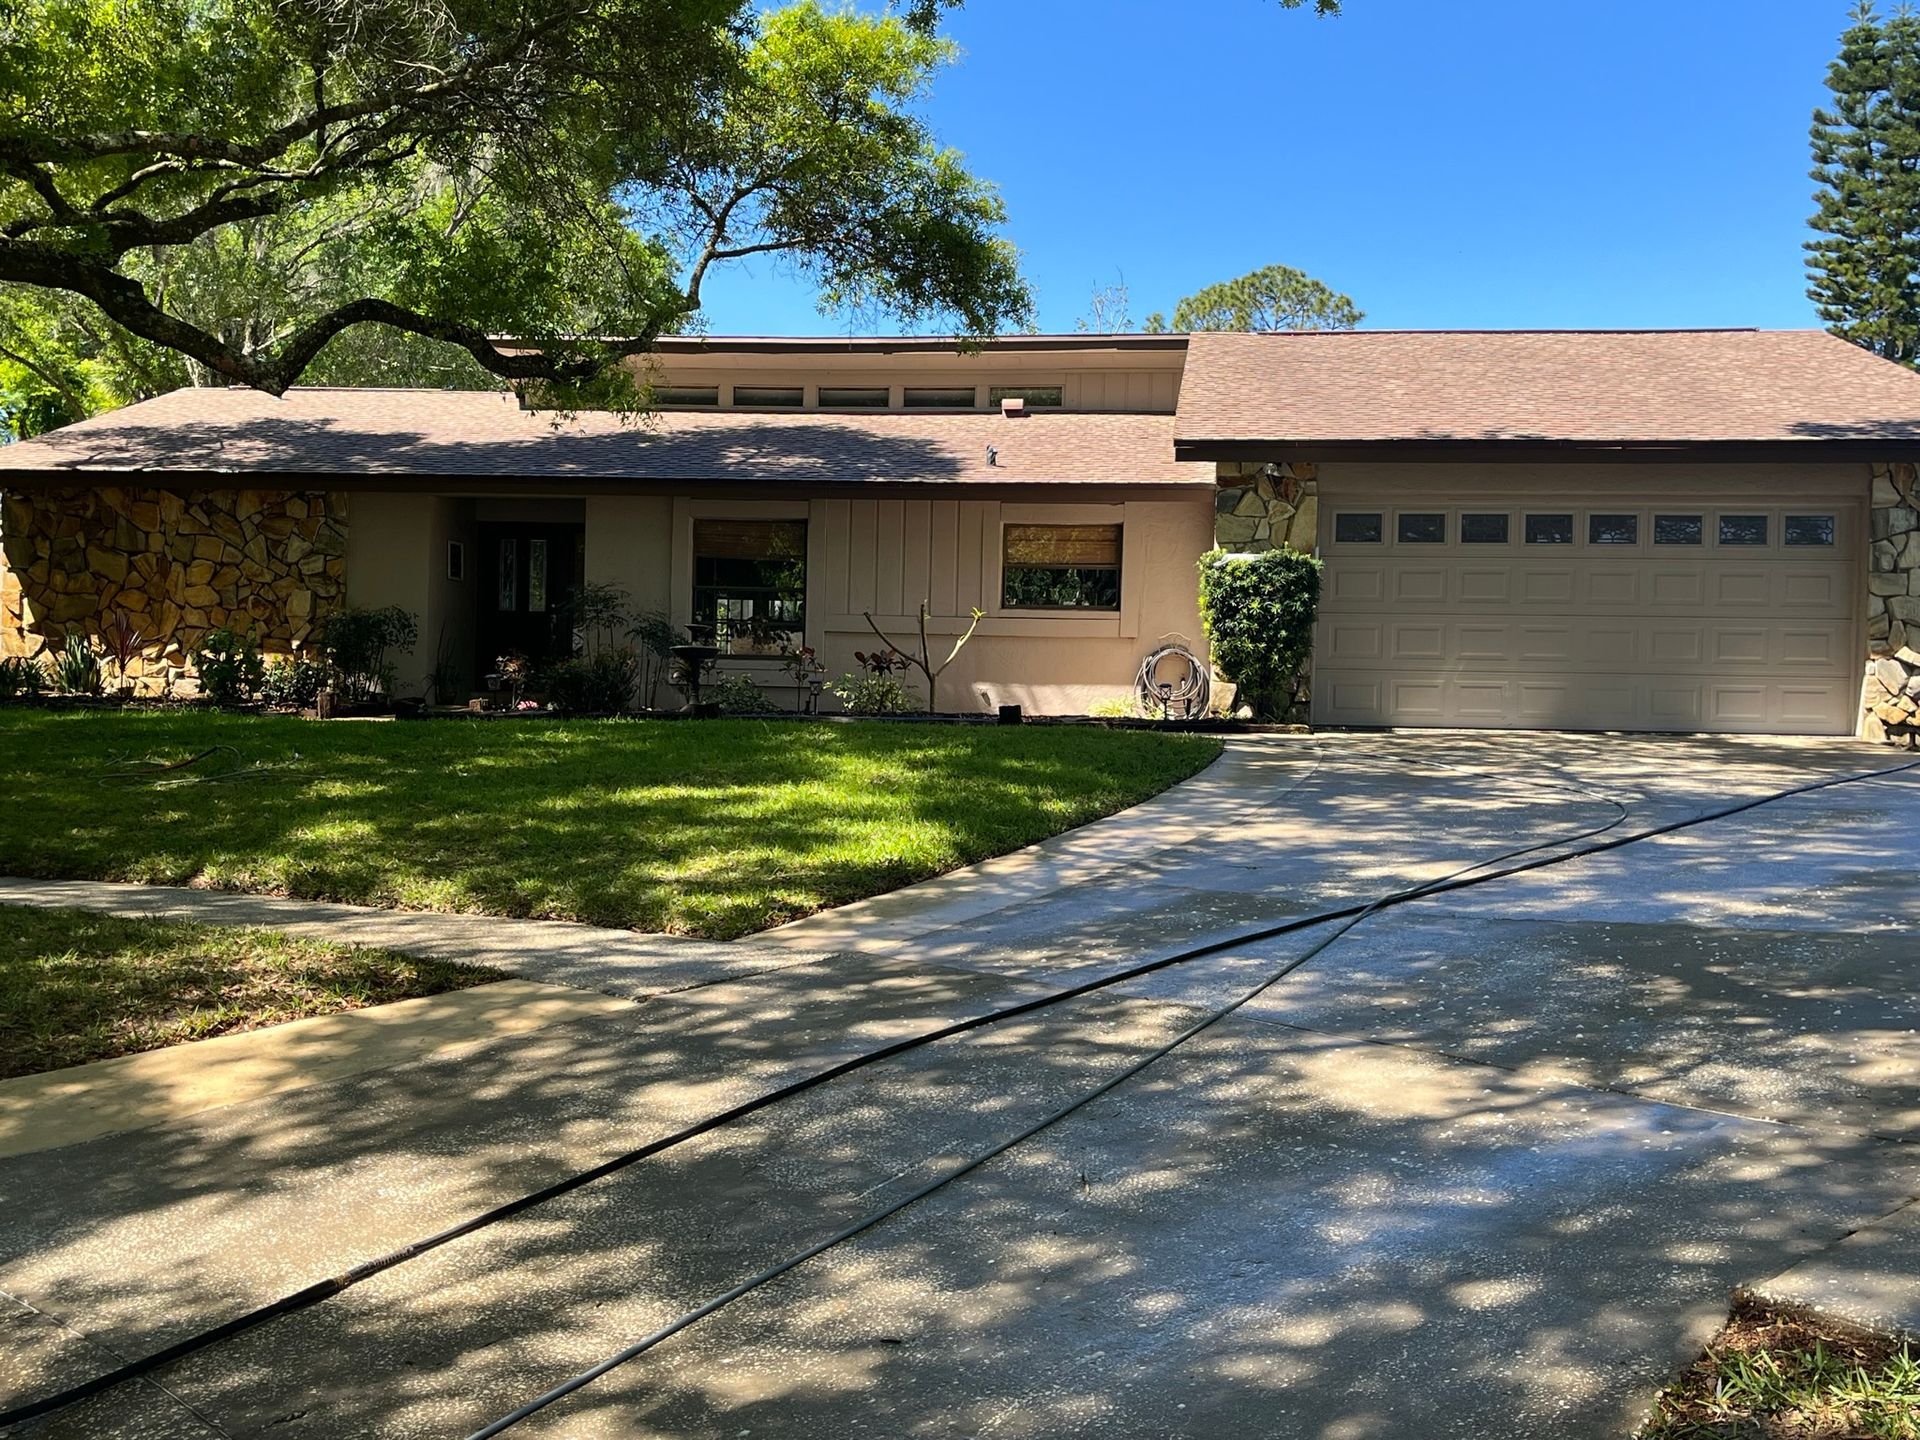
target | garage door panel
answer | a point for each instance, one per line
(1355, 641)
(1675, 706)
(1350, 581)
(1419, 642)
(1612, 647)
(1485, 587)
(1677, 636)
(1474, 642)
(1419, 701)
(1546, 587)
(1677, 588)
(1482, 702)
(1823, 646)
(1676, 644)
(1739, 646)
(1426, 585)
(1740, 587)
(1613, 587)
(1815, 591)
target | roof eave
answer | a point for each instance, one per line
(1850, 448)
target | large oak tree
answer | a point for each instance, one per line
(240, 184)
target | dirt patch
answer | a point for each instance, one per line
(1786, 1375)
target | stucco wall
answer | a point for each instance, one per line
(268, 563)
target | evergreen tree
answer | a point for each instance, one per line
(1864, 267)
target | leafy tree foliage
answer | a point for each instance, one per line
(236, 185)
(1258, 611)
(1277, 297)
(1864, 267)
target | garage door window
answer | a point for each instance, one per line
(1809, 530)
(1423, 529)
(1549, 529)
(1485, 529)
(1678, 530)
(1357, 528)
(1613, 529)
(1743, 529)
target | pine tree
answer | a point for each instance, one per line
(1864, 267)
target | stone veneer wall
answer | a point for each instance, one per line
(1890, 703)
(1262, 507)
(266, 563)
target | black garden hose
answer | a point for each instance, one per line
(1458, 879)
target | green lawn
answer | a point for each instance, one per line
(712, 828)
(76, 987)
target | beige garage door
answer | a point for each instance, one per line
(1690, 611)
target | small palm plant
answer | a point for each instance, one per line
(76, 667)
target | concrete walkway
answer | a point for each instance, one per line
(1491, 1165)
(553, 952)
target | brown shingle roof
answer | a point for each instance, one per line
(1591, 388)
(452, 434)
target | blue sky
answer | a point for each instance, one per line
(1448, 163)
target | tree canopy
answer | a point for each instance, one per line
(1276, 297)
(1864, 264)
(248, 186)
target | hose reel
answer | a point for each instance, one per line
(1173, 681)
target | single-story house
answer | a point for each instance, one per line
(1672, 530)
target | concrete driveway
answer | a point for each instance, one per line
(1490, 1165)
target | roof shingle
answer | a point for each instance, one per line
(453, 434)
(1599, 388)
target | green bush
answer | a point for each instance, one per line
(593, 684)
(1258, 611)
(736, 695)
(875, 693)
(293, 684)
(76, 667)
(21, 677)
(229, 667)
(356, 644)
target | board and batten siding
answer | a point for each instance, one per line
(883, 556)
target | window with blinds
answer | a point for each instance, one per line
(750, 583)
(1061, 567)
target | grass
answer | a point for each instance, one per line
(715, 828)
(1778, 1376)
(76, 987)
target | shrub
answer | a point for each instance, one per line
(21, 677)
(875, 693)
(76, 667)
(656, 635)
(597, 612)
(593, 684)
(293, 684)
(229, 667)
(1258, 611)
(736, 695)
(356, 644)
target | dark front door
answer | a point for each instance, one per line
(527, 573)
